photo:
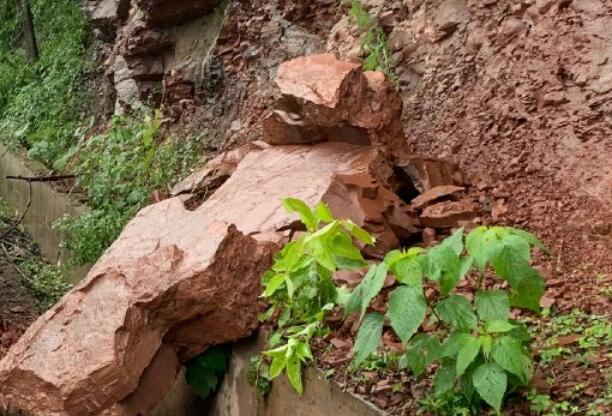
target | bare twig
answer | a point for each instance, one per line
(52, 178)
(23, 214)
(10, 259)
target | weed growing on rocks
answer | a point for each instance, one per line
(480, 352)
(373, 42)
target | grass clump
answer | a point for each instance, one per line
(119, 169)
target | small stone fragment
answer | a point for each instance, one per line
(448, 214)
(280, 128)
(432, 195)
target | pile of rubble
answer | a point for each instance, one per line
(185, 273)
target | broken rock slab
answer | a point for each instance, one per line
(349, 178)
(178, 281)
(324, 98)
(173, 284)
(448, 214)
(434, 194)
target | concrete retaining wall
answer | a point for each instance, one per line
(321, 397)
(46, 207)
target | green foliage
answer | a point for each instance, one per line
(120, 169)
(482, 354)
(373, 42)
(41, 104)
(48, 281)
(300, 289)
(204, 372)
(258, 375)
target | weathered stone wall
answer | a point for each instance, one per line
(160, 49)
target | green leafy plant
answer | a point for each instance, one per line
(373, 42)
(119, 170)
(300, 289)
(480, 352)
(204, 372)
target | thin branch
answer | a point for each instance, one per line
(10, 259)
(43, 178)
(23, 214)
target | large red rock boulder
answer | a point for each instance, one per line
(178, 281)
(173, 284)
(350, 178)
(324, 98)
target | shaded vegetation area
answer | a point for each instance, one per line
(41, 103)
(43, 110)
(45, 280)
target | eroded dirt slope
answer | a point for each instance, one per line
(519, 93)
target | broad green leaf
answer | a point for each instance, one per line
(274, 283)
(279, 362)
(520, 332)
(479, 243)
(530, 238)
(499, 326)
(490, 382)
(407, 308)
(457, 311)
(303, 210)
(492, 305)
(324, 233)
(369, 287)
(343, 294)
(342, 246)
(487, 345)
(409, 271)
(466, 266)
(302, 350)
(290, 257)
(323, 254)
(455, 242)
(508, 353)
(395, 256)
(358, 232)
(423, 351)
(528, 292)
(445, 377)
(443, 265)
(467, 354)
(442, 259)
(510, 259)
(323, 212)
(294, 373)
(368, 337)
(455, 341)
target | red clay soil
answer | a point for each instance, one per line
(521, 98)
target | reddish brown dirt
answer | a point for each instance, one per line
(18, 307)
(521, 98)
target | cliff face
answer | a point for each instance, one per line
(157, 50)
